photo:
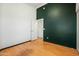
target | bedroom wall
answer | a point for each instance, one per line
(59, 23)
(16, 21)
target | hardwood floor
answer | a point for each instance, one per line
(39, 48)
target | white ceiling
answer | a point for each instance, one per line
(36, 5)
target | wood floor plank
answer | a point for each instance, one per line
(39, 48)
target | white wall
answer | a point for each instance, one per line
(78, 31)
(77, 11)
(34, 29)
(16, 21)
(34, 26)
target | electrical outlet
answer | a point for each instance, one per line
(47, 37)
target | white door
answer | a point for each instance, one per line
(40, 28)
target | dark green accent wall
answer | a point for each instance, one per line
(59, 23)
